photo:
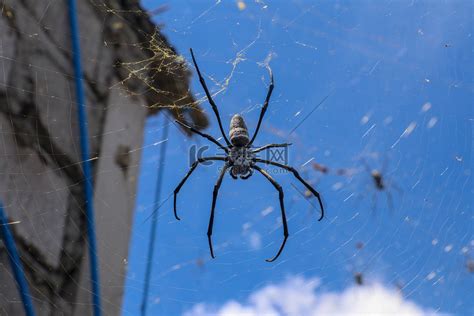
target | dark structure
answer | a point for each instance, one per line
(130, 72)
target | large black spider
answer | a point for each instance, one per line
(240, 159)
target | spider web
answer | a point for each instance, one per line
(388, 108)
(396, 80)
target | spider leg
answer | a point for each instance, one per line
(264, 106)
(209, 137)
(282, 207)
(384, 164)
(297, 176)
(214, 198)
(256, 150)
(209, 97)
(366, 166)
(394, 185)
(374, 202)
(389, 200)
(193, 166)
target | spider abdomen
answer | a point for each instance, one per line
(238, 133)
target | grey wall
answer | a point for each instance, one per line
(41, 182)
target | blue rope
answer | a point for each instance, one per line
(15, 263)
(151, 241)
(95, 285)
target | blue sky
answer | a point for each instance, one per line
(399, 75)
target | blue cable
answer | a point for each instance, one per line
(151, 241)
(89, 193)
(15, 263)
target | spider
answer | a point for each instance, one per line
(241, 159)
(380, 183)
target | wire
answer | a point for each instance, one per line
(15, 263)
(311, 112)
(151, 241)
(89, 199)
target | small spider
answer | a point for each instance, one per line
(320, 167)
(359, 278)
(380, 184)
(240, 159)
(378, 179)
(469, 262)
(470, 265)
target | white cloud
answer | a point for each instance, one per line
(298, 296)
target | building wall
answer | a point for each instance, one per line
(41, 181)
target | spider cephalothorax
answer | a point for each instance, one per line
(241, 162)
(241, 159)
